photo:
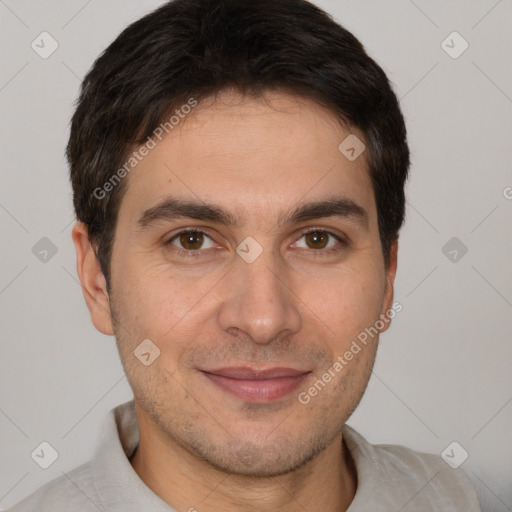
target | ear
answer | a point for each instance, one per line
(94, 286)
(387, 303)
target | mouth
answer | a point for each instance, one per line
(257, 386)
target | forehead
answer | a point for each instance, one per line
(256, 156)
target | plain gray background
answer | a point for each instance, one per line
(443, 369)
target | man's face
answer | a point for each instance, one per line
(210, 308)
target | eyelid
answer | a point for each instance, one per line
(313, 229)
(183, 231)
(343, 241)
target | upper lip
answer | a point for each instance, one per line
(246, 373)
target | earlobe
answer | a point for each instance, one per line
(92, 280)
(390, 282)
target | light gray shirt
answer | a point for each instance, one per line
(390, 478)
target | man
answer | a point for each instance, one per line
(238, 171)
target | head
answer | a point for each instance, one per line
(219, 217)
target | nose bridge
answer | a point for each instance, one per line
(258, 300)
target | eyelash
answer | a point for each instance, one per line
(319, 252)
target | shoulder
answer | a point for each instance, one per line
(423, 467)
(73, 491)
(411, 479)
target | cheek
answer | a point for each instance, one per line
(347, 305)
(150, 294)
(165, 308)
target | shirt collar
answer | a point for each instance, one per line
(119, 487)
(121, 490)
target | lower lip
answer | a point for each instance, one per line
(257, 391)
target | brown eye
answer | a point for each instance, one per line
(191, 240)
(316, 239)
(321, 241)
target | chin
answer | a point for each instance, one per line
(251, 459)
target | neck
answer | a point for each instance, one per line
(328, 482)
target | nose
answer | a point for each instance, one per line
(259, 301)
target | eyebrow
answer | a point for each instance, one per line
(173, 208)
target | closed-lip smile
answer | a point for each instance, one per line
(256, 385)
